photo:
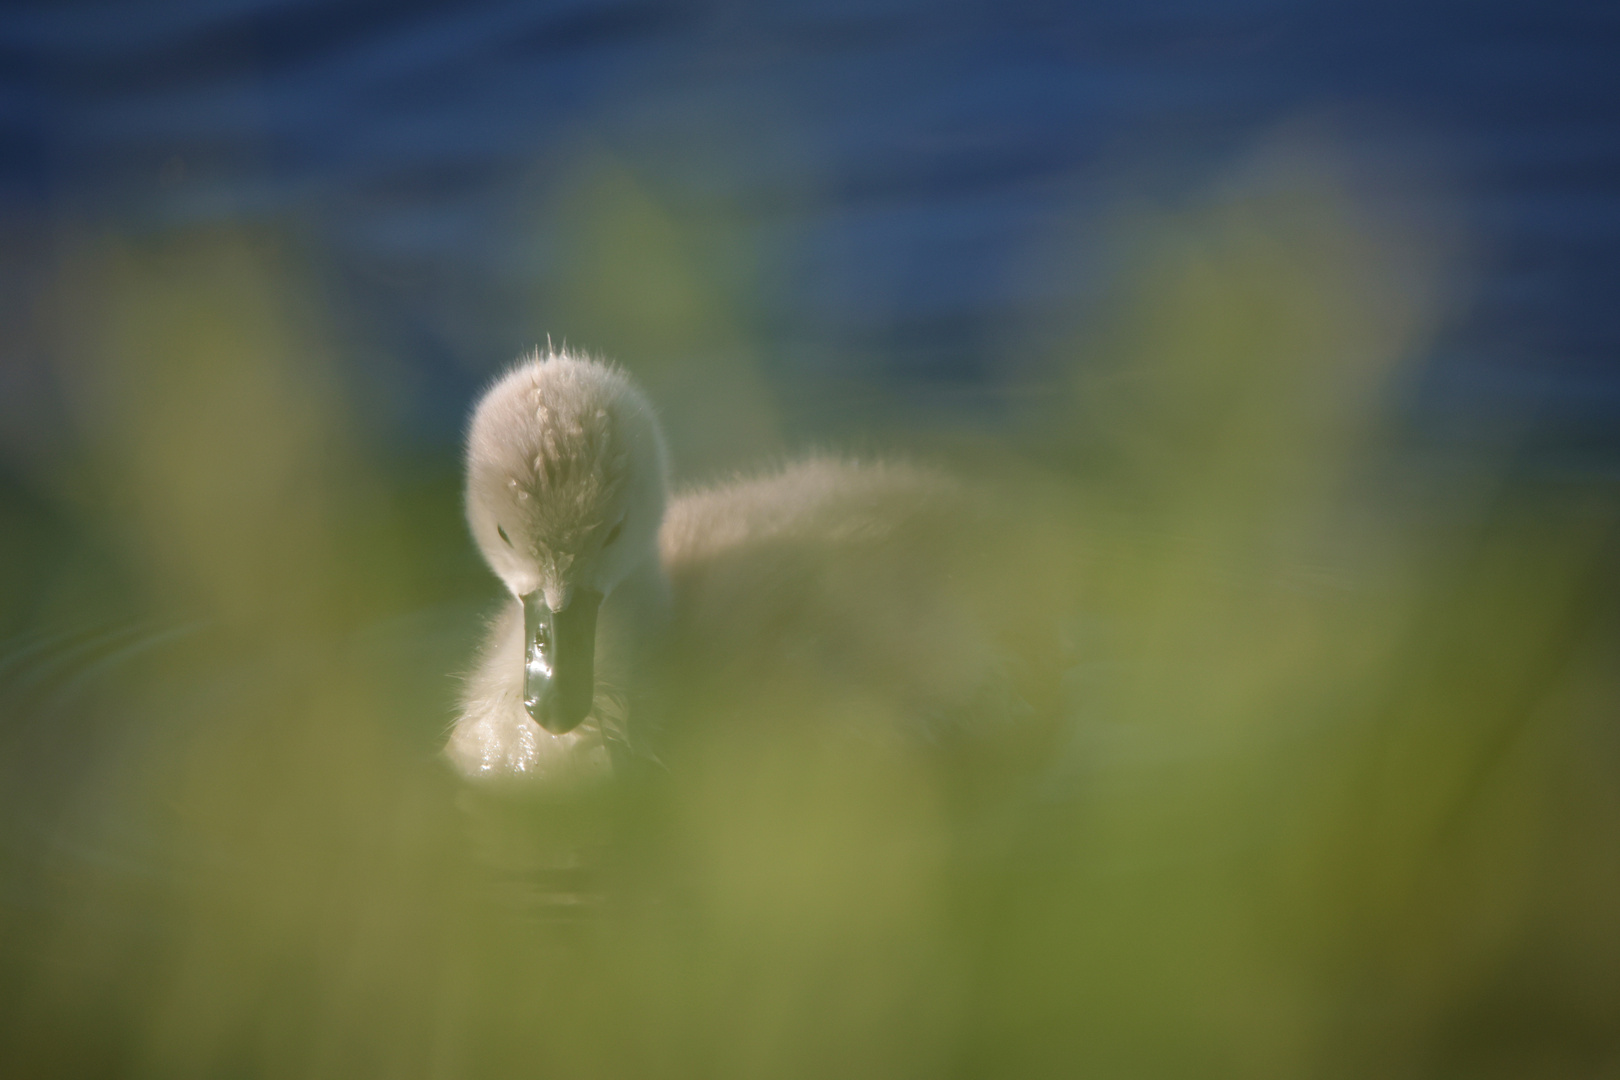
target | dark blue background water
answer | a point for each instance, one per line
(896, 162)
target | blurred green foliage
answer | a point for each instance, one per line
(1332, 790)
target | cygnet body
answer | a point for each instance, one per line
(851, 585)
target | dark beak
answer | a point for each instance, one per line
(559, 659)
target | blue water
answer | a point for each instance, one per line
(891, 166)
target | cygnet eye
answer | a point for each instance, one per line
(613, 534)
(504, 537)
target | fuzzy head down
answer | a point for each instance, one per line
(567, 476)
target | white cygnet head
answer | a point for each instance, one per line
(566, 482)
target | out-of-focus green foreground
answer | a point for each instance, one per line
(1333, 791)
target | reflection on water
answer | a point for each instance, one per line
(1331, 789)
